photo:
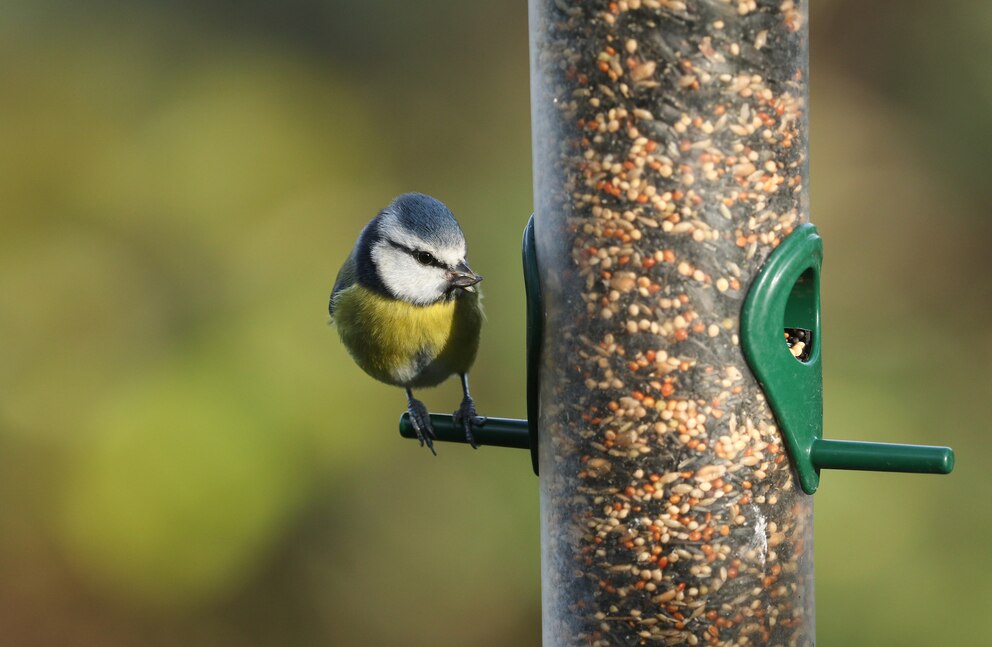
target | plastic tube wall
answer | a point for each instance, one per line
(670, 148)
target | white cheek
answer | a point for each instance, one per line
(408, 279)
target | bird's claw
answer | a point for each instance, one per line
(421, 420)
(467, 418)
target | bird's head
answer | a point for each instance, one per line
(418, 251)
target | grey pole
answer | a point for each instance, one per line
(670, 158)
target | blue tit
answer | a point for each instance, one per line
(407, 306)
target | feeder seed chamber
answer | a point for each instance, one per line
(673, 321)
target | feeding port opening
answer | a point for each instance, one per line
(802, 316)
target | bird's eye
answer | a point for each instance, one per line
(425, 258)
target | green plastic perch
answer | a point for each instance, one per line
(883, 457)
(497, 432)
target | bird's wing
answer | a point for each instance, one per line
(345, 279)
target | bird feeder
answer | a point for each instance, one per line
(674, 334)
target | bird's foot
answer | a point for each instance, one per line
(421, 421)
(467, 418)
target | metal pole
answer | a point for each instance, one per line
(670, 149)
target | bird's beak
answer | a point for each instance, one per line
(463, 276)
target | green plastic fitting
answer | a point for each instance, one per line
(786, 296)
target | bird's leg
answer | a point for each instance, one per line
(466, 416)
(421, 420)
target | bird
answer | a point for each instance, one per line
(407, 306)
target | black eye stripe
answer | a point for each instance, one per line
(421, 256)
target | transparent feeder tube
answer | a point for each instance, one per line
(670, 158)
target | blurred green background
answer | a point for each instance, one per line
(187, 455)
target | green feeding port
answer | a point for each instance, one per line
(781, 340)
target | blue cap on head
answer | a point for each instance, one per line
(428, 218)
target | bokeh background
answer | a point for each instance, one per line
(187, 455)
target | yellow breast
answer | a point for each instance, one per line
(407, 345)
